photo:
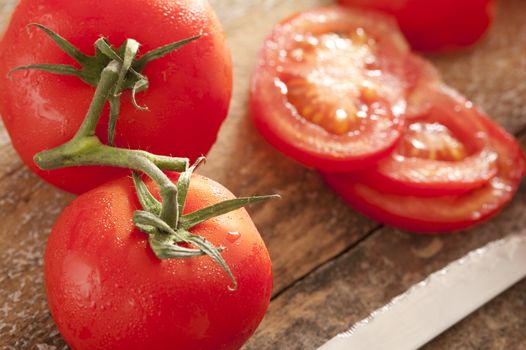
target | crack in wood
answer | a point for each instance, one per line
(333, 258)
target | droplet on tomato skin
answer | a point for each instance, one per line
(233, 236)
(23, 73)
(476, 215)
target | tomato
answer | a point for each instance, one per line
(432, 25)
(188, 98)
(444, 150)
(330, 87)
(107, 290)
(440, 213)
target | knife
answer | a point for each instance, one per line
(444, 298)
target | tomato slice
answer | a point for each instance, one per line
(440, 213)
(331, 85)
(444, 150)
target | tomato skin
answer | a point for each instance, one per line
(393, 72)
(188, 98)
(107, 290)
(439, 214)
(437, 25)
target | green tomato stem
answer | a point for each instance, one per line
(108, 78)
(90, 151)
(86, 149)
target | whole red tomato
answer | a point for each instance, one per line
(107, 290)
(432, 25)
(189, 91)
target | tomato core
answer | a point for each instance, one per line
(325, 93)
(433, 141)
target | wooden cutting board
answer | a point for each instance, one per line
(332, 266)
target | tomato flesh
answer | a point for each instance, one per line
(188, 98)
(430, 214)
(435, 25)
(331, 85)
(445, 150)
(107, 290)
(323, 95)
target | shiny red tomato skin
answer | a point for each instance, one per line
(107, 290)
(435, 25)
(440, 214)
(188, 97)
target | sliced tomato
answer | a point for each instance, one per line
(440, 213)
(444, 150)
(331, 85)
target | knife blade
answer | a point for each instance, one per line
(444, 298)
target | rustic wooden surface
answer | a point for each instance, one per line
(332, 267)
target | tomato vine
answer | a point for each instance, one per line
(112, 71)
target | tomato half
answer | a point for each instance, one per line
(107, 290)
(432, 25)
(188, 98)
(444, 150)
(330, 86)
(440, 213)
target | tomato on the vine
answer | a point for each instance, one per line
(107, 290)
(189, 89)
(331, 85)
(444, 150)
(432, 25)
(444, 213)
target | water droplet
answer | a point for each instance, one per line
(233, 236)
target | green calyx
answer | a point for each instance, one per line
(91, 67)
(166, 240)
(112, 71)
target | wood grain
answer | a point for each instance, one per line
(332, 266)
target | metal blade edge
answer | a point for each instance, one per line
(442, 299)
